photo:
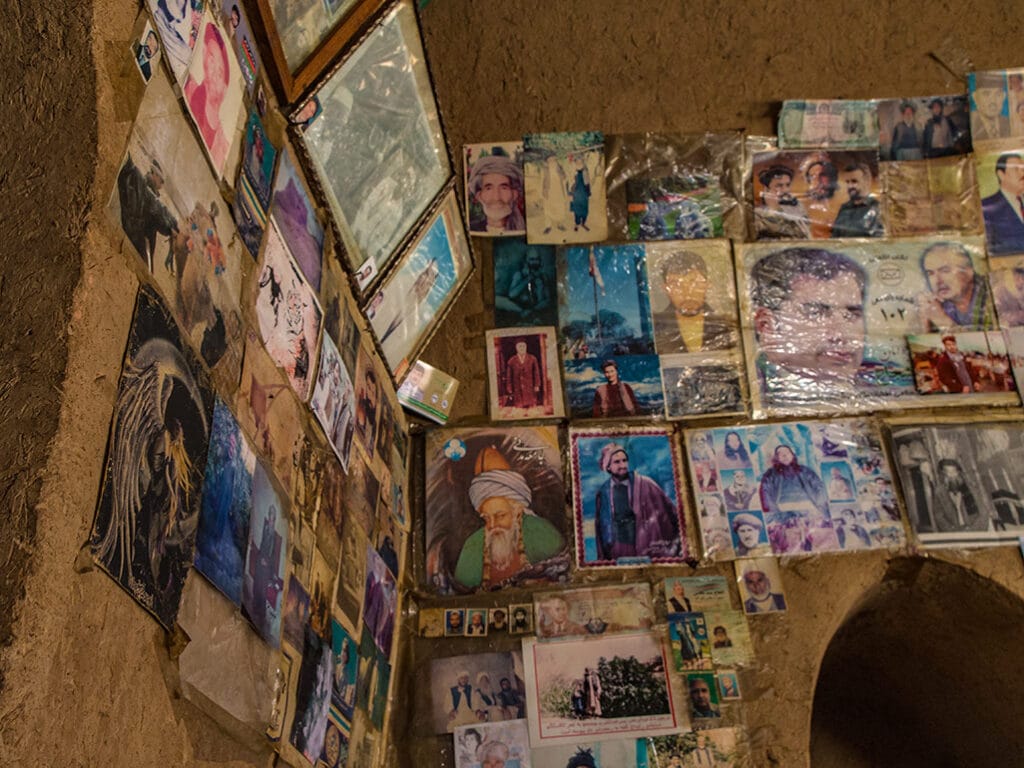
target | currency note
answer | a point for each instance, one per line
(828, 123)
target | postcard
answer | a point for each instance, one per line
(631, 469)
(493, 744)
(817, 194)
(522, 367)
(593, 611)
(688, 641)
(565, 187)
(684, 594)
(931, 196)
(495, 508)
(226, 506)
(598, 689)
(425, 281)
(760, 587)
(730, 638)
(289, 315)
(428, 391)
(996, 99)
(791, 488)
(377, 147)
(959, 481)
(467, 690)
(144, 532)
(146, 51)
(964, 364)
(214, 89)
(924, 127)
(295, 216)
(525, 286)
(495, 199)
(263, 584)
(841, 336)
(836, 123)
(584, 754)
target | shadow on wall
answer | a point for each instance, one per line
(926, 671)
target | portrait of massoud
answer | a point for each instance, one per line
(489, 520)
(494, 189)
(1003, 210)
(809, 324)
(633, 515)
(688, 322)
(957, 296)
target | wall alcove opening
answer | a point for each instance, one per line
(926, 671)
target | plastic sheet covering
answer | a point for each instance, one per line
(796, 488)
(836, 124)
(674, 186)
(225, 669)
(926, 127)
(377, 146)
(825, 327)
(931, 196)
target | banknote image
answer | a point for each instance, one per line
(836, 124)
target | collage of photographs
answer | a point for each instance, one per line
(661, 302)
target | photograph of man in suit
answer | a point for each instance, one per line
(1003, 210)
(688, 323)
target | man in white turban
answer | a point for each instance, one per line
(496, 183)
(513, 537)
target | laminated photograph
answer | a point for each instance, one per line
(146, 50)
(730, 638)
(289, 315)
(608, 353)
(684, 594)
(825, 327)
(688, 640)
(495, 199)
(960, 481)
(475, 689)
(495, 508)
(179, 24)
(627, 497)
(522, 367)
(599, 689)
(963, 364)
(333, 400)
(836, 124)
(377, 145)
(425, 281)
(525, 287)
(760, 589)
(593, 611)
(792, 488)
(295, 216)
(997, 104)
(237, 25)
(924, 127)
(1000, 172)
(428, 391)
(622, 753)
(214, 90)
(704, 748)
(263, 584)
(817, 194)
(493, 744)
(565, 187)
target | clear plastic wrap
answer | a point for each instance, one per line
(834, 124)
(931, 196)
(377, 146)
(642, 324)
(674, 186)
(825, 327)
(793, 488)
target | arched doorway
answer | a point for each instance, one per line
(926, 671)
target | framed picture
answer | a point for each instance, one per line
(522, 364)
(374, 138)
(636, 466)
(304, 36)
(416, 294)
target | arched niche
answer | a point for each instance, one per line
(925, 671)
